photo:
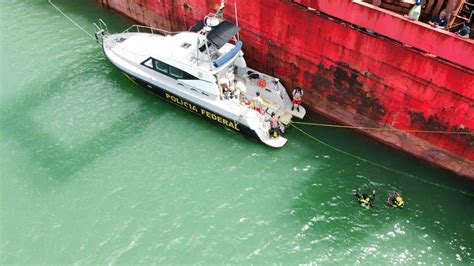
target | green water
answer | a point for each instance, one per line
(95, 170)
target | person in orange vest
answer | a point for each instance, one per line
(297, 95)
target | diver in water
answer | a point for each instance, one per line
(365, 200)
(395, 200)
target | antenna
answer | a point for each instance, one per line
(236, 18)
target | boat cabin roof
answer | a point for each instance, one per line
(184, 50)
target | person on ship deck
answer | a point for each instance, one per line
(465, 30)
(415, 11)
(440, 21)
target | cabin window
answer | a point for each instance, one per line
(176, 73)
(166, 69)
(162, 67)
(148, 63)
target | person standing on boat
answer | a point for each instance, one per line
(231, 88)
(240, 89)
(274, 126)
(257, 103)
(224, 85)
(297, 95)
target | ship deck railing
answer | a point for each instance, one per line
(147, 29)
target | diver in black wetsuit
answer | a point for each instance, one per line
(365, 200)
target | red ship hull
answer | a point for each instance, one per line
(357, 77)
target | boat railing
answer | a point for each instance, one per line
(100, 30)
(102, 25)
(146, 29)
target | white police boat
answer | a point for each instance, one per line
(203, 71)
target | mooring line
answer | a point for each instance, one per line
(384, 129)
(380, 165)
(72, 21)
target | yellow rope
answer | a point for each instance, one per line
(379, 165)
(383, 129)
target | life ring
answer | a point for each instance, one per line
(261, 83)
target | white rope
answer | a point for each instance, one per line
(72, 21)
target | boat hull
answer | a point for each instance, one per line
(189, 105)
